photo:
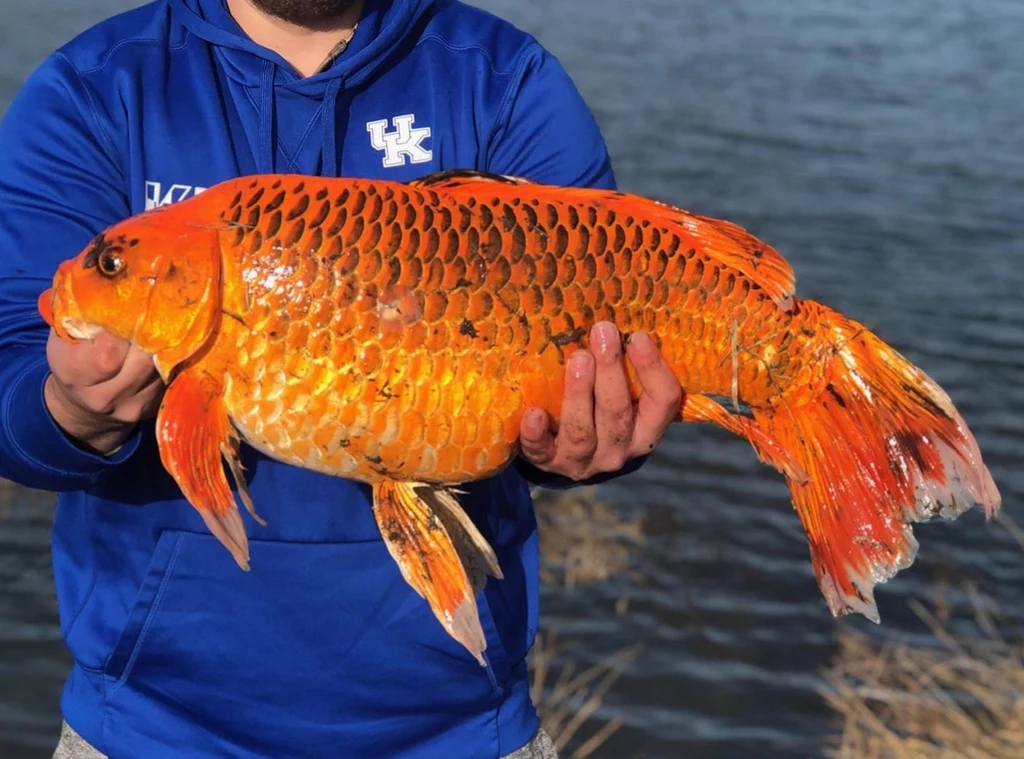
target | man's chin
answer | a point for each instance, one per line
(305, 12)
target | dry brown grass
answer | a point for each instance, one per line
(13, 496)
(582, 541)
(566, 699)
(961, 697)
(8, 495)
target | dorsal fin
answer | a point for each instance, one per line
(447, 180)
(723, 241)
(737, 248)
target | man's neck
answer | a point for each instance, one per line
(306, 48)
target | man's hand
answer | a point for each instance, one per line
(99, 389)
(601, 428)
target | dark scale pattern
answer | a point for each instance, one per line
(383, 323)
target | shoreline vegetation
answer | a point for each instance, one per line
(957, 695)
(961, 697)
(583, 541)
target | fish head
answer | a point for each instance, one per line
(153, 280)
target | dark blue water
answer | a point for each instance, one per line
(879, 147)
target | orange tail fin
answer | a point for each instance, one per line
(883, 447)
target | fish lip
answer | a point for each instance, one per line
(77, 329)
(45, 305)
(64, 316)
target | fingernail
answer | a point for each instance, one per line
(642, 344)
(578, 364)
(534, 421)
(606, 338)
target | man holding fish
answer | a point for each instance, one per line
(321, 649)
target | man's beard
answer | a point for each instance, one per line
(304, 12)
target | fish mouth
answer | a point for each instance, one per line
(59, 310)
(76, 329)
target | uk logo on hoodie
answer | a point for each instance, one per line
(157, 195)
(404, 142)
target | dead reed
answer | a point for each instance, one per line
(582, 541)
(567, 698)
(8, 495)
(960, 697)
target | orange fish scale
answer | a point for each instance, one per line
(431, 322)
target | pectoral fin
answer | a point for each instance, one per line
(193, 433)
(440, 553)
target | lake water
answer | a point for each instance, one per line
(879, 147)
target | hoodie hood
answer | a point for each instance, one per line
(382, 31)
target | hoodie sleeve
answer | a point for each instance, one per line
(546, 133)
(59, 186)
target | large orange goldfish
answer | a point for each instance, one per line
(395, 333)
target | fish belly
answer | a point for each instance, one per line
(369, 413)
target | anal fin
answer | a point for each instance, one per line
(476, 553)
(440, 553)
(193, 433)
(229, 450)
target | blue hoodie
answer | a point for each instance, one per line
(322, 650)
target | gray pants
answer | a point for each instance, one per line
(73, 746)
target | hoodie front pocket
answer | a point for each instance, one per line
(324, 635)
(145, 608)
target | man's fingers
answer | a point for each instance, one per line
(138, 369)
(135, 396)
(137, 376)
(613, 406)
(105, 376)
(87, 362)
(104, 356)
(577, 437)
(535, 438)
(599, 428)
(661, 395)
(142, 405)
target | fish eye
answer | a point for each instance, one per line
(110, 264)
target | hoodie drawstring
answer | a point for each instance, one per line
(330, 139)
(266, 159)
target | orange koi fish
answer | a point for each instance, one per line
(395, 333)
